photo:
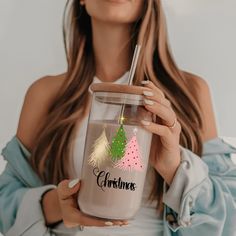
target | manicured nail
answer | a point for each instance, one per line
(109, 223)
(148, 93)
(145, 122)
(148, 102)
(73, 182)
(145, 82)
(120, 223)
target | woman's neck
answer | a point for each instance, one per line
(112, 50)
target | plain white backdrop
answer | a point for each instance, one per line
(202, 35)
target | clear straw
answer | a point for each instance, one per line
(131, 77)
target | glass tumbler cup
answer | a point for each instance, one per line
(116, 152)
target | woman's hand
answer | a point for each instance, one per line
(61, 204)
(166, 132)
(71, 215)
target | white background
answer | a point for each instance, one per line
(202, 35)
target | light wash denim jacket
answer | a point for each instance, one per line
(200, 201)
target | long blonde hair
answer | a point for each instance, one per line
(50, 157)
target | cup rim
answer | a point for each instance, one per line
(117, 88)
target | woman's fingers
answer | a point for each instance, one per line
(162, 130)
(90, 221)
(150, 94)
(158, 129)
(71, 215)
(155, 102)
(154, 93)
(75, 218)
(68, 188)
(149, 84)
(166, 114)
(143, 114)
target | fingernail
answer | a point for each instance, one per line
(73, 182)
(145, 82)
(145, 122)
(124, 223)
(119, 223)
(148, 102)
(148, 93)
(108, 223)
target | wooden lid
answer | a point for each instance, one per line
(117, 88)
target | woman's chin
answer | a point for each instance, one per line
(117, 1)
(116, 17)
(115, 20)
(115, 11)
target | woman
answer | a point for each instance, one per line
(37, 193)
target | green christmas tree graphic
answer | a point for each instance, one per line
(118, 144)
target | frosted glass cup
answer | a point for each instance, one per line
(116, 152)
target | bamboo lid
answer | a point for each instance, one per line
(118, 93)
(117, 88)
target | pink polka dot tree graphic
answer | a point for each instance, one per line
(132, 157)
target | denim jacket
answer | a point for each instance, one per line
(201, 199)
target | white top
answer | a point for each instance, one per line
(146, 221)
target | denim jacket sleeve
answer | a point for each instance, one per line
(20, 194)
(201, 199)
